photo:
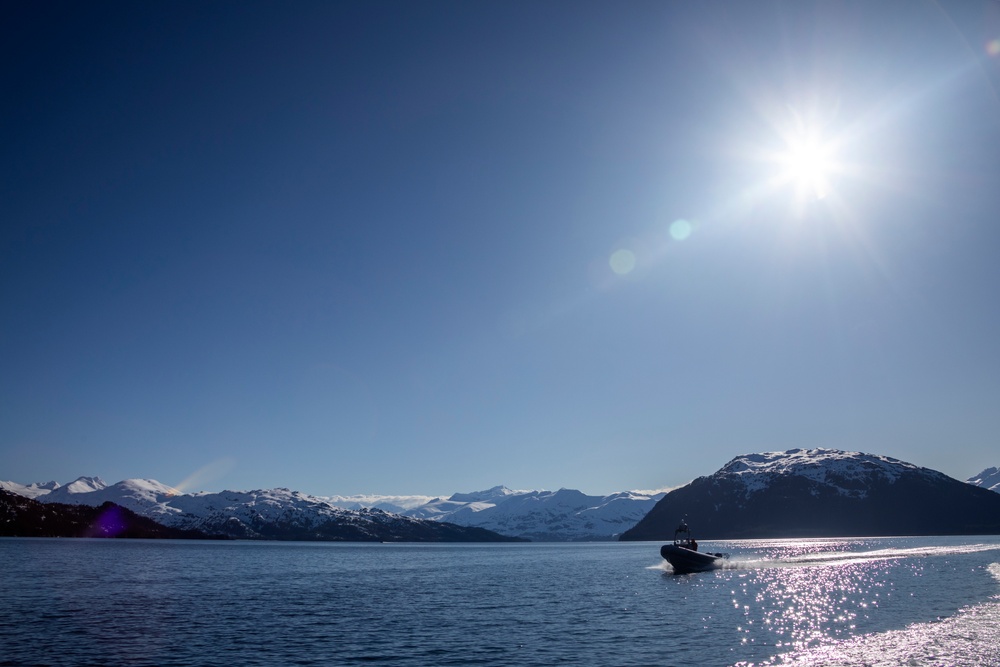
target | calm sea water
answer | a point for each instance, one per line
(921, 601)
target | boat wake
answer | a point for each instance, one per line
(850, 557)
(828, 558)
(667, 568)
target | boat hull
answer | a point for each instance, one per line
(685, 561)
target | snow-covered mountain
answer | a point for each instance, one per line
(988, 479)
(79, 485)
(849, 474)
(139, 495)
(563, 515)
(822, 492)
(29, 490)
(392, 504)
(798, 492)
(21, 516)
(438, 508)
(270, 513)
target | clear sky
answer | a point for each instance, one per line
(426, 247)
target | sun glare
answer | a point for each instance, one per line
(808, 165)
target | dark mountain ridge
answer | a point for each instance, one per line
(25, 517)
(822, 493)
(275, 514)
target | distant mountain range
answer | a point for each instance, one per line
(796, 493)
(21, 516)
(564, 515)
(265, 514)
(822, 493)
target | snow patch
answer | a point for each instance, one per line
(566, 514)
(398, 504)
(988, 479)
(33, 490)
(848, 473)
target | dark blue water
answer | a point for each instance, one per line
(117, 602)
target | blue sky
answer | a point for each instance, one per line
(397, 247)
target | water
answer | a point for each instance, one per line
(919, 601)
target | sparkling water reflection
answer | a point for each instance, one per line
(94, 602)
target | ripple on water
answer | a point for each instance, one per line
(971, 638)
(845, 602)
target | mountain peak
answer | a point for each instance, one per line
(848, 472)
(33, 490)
(84, 485)
(822, 492)
(988, 479)
(146, 487)
(482, 496)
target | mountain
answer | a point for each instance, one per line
(822, 493)
(262, 514)
(144, 496)
(21, 516)
(391, 504)
(988, 479)
(29, 490)
(563, 515)
(79, 485)
(439, 508)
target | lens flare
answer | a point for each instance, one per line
(622, 261)
(680, 229)
(207, 473)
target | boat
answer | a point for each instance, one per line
(683, 554)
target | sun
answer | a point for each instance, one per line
(805, 158)
(808, 164)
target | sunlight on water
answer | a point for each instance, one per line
(814, 555)
(817, 602)
(851, 602)
(798, 608)
(815, 599)
(972, 637)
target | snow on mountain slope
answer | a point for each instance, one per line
(441, 509)
(255, 509)
(393, 504)
(848, 472)
(988, 479)
(29, 490)
(541, 515)
(232, 512)
(79, 485)
(822, 493)
(145, 497)
(493, 496)
(32, 490)
(564, 515)
(270, 513)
